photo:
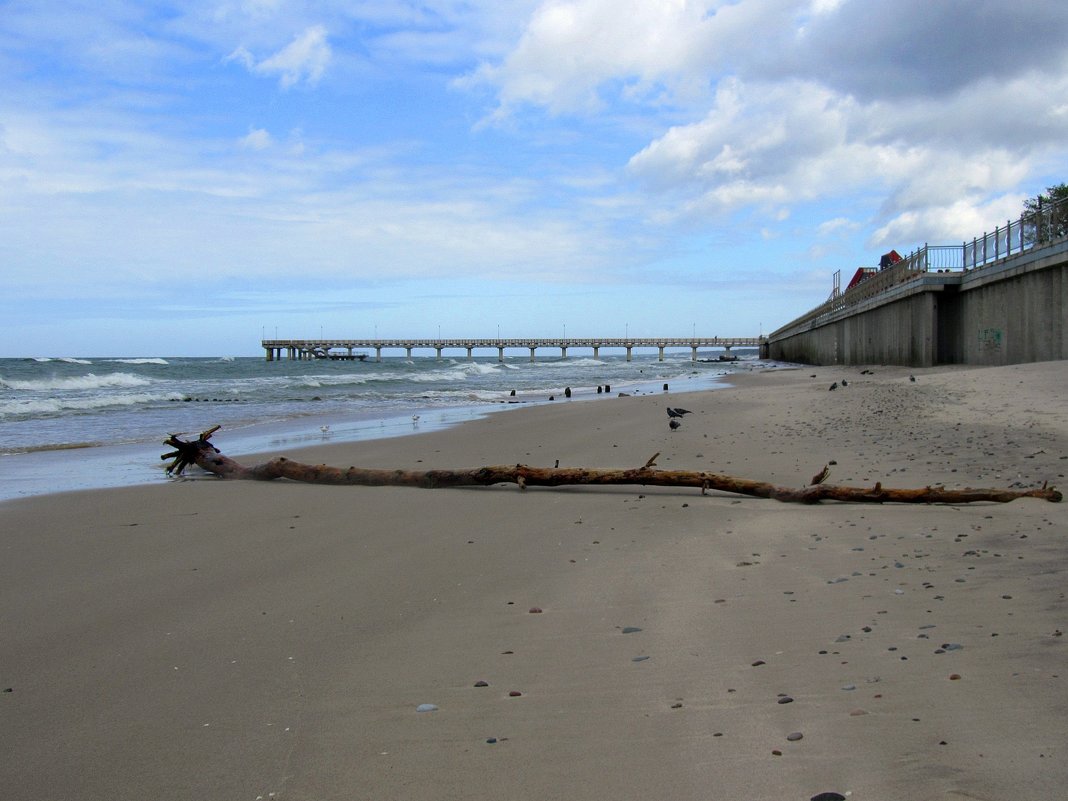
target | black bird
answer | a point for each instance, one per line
(674, 423)
(833, 387)
(677, 412)
(845, 383)
(912, 378)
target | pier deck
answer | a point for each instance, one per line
(346, 349)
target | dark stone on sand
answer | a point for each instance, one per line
(535, 610)
(828, 797)
(630, 629)
(491, 740)
(639, 659)
(676, 706)
(482, 684)
(514, 694)
(785, 699)
(759, 662)
(794, 736)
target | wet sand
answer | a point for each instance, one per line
(201, 639)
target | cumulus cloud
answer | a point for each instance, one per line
(303, 59)
(940, 109)
(257, 139)
(569, 50)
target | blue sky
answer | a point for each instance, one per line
(182, 178)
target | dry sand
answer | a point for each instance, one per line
(211, 640)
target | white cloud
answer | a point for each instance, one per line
(303, 59)
(570, 48)
(257, 139)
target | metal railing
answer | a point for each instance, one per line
(1047, 224)
(1043, 227)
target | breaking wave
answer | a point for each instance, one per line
(81, 382)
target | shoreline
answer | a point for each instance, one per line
(89, 466)
(209, 639)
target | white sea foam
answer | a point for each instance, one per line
(82, 382)
(569, 363)
(25, 407)
(67, 359)
(140, 361)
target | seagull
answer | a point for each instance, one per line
(675, 424)
(415, 419)
(677, 412)
(324, 429)
(821, 476)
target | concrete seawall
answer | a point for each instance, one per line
(1010, 311)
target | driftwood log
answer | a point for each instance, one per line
(206, 456)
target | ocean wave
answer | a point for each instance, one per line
(34, 407)
(140, 361)
(67, 359)
(82, 382)
(584, 362)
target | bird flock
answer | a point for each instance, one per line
(676, 413)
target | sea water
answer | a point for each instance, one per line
(76, 423)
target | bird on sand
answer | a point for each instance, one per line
(912, 378)
(674, 423)
(677, 411)
(833, 387)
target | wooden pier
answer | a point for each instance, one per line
(348, 349)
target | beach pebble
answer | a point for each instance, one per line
(758, 663)
(794, 736)
(514, 694)
(849, 686)
(855, 713)
(954, 677)
(426, 708)
(785, 699)
(630, 629)
(535, 610)
(482, 684)
(828, 797)
(639, 659)
(491, 740)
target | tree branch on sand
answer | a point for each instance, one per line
(206, 456)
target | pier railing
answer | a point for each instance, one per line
(306, 349)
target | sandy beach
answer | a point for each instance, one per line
(202, 639)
